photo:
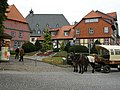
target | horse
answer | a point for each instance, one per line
(79, 60)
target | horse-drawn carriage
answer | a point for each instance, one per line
(108, 57)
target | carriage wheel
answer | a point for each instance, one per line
(106, 69)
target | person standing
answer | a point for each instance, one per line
(17, 53)
(21, 54)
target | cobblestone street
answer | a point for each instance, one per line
(15, 75)
(29, 65)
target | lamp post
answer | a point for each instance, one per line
(74, 39)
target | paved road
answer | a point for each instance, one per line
(27, 76)
(12, 80)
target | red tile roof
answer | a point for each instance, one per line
(60, 33)
(14, 14)
(113, 14)
(95, 14)
(92, 14)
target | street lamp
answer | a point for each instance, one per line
(74, 39)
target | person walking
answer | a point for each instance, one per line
(21, 54)
(17, 53)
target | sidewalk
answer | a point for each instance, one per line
(36, 57)
(30, 64)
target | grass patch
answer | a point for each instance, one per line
(61, 54)
(54, 61)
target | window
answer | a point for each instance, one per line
(106, 41)
(13, 34)
(77, 41)
(91, 30)
(112, 51)
(66, 33)
(39, 32)
(117, 51)
(77, 31)
(20, 34)
(53, 33)
(91, 20)
(37, 25)
(106, 30)
(34, 31)
(17, 44)
(33, 39)
(91, 43)
(57, 25)
(47, 25)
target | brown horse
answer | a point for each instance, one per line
(79, 60)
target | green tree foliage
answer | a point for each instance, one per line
(29, 47)
(38, 45)
(67, 46)
(3, 17)
(62, 46)
(47, 43)
(93, 49)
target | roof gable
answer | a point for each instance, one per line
(47, 19)
(14, 14)
(113, 14)
(92, 14)
(41, 21)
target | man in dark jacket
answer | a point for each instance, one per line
(17, 53)
(21, 54)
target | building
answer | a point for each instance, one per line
(38, 23)
(17, 27)
(62, 34)
(99, 26)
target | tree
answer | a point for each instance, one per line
(62, 46)
(3, 17)
(47, 42)
(38, 45)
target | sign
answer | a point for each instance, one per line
(5, 54)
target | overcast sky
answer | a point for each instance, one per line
(73, 10)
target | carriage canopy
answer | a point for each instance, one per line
(113, 51)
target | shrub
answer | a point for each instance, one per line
(12, 52)
(67, 46)
(56, 49)
(28, 47)
(78, 49)
(38, 45)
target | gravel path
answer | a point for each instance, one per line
(30, 66)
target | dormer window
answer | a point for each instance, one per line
(57, 25)
(37, 25)
(34, 31)
(66, 33)
(91, 20)
(39, 32)
(47, 25)
(53, 33)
